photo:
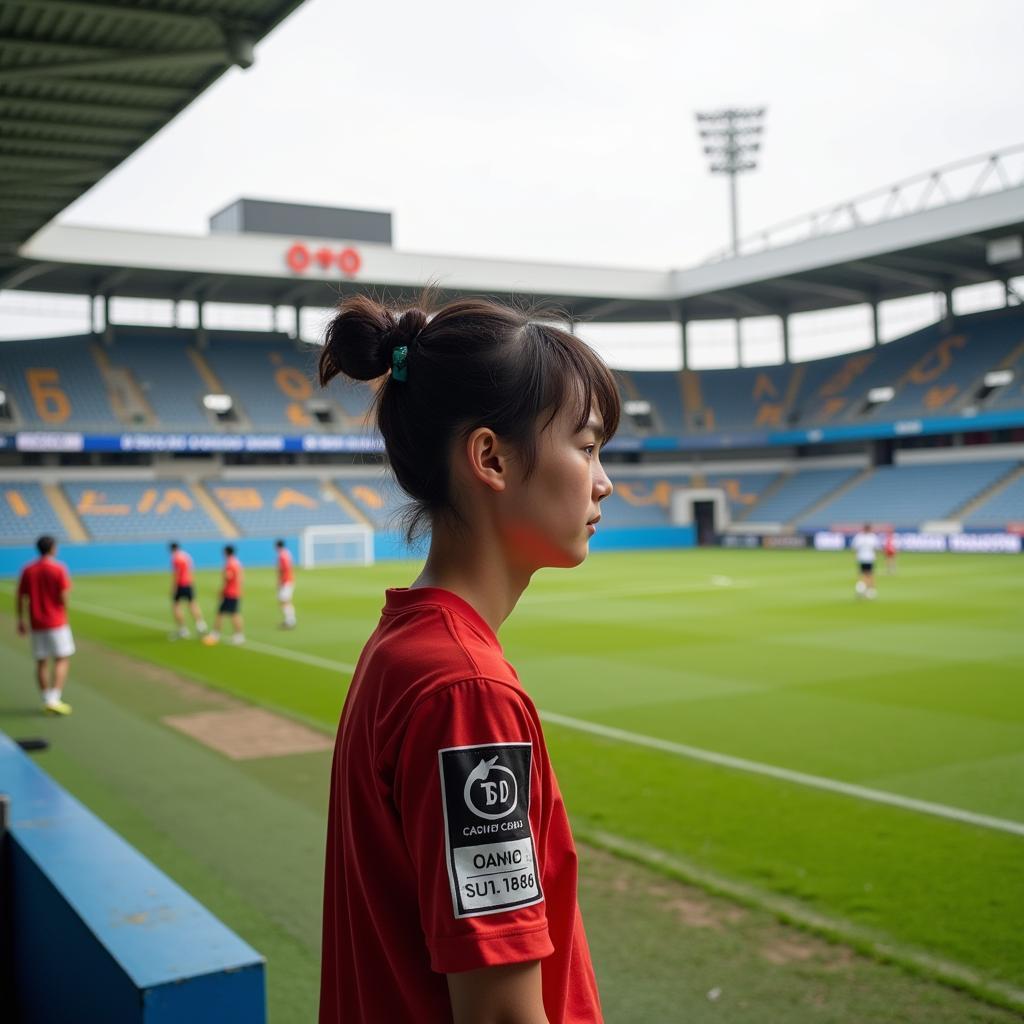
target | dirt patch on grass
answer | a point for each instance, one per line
(245, 733)
(184, 688)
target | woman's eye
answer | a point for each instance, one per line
(590, 449)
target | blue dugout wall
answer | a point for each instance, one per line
(98, 933)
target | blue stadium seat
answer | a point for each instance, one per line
(271, 380)
(26, 513)
(264, 508)
(56, 384)
(755, 398)
(160, 363)
(906, 496)
(662, 389)
(741, 489)
(642, 501)
(377, 495)
(129, 510)
(1002, 509)
(797, 493)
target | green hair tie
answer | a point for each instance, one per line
(400, 362)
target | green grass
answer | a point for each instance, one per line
(760, 655)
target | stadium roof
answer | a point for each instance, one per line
(932, 250)
(84, 84)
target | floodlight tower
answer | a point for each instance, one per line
(732, 137)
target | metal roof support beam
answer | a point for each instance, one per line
(939, 268)
(118, 65)
(31, 130)
(829, 291)
(876, 334)
(298, 322)
(784, 323)
(145, 115)
(884, 272)
(164, 19)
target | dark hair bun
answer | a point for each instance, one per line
(361, 337)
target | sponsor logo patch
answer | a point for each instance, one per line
(492, 862)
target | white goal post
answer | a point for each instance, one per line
(350, 544)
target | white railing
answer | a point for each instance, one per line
(964, 179)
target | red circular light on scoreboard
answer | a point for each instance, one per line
(301, 258)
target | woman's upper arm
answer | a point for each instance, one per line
(509, 994)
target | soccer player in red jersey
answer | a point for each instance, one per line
(230, 600)
(285, 585)
(183, 589)
(451, 875)
(43, 586)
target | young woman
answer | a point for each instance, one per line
(450, 889)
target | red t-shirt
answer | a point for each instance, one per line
(181, 566)
(232, 577)
(285, 573)
(45, 581)
(448, 845)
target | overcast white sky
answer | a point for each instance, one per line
(563, 130)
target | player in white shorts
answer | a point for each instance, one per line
(43, 586)
(865, 546)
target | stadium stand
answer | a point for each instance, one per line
(271, 507)
(741, 489)
(166, 375)
(376, 496)
(746, 399)
(1005, 507)
(55, 384)
(131, 510)
(796, 493)
(26, 513)
(642, 501)
(271, 381)
(907, 496)
(662, 389)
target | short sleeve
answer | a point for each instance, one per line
(468, 791)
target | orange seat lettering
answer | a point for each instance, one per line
(297, 415)
(94, 503)
(147, 501)
(769, 414)
(368, 496)
(846, 375)
(239, 499)
(936, 362)
(293, 383)
(764, 386)
(52, 404)
(18, 504)
(287, 497)
(937, 396)
(174, 497)
(637, 495)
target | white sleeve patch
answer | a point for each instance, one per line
(485, 794)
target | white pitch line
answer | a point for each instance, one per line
(254, 645)
(877, 796)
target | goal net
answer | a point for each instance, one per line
(351, 544)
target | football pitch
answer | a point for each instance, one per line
(732, 720)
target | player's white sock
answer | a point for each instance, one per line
(861, 587)
(50, 697)
(289, 615)
(201, 626)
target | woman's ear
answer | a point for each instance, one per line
(487, 458)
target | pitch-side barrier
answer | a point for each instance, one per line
(94, 932)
